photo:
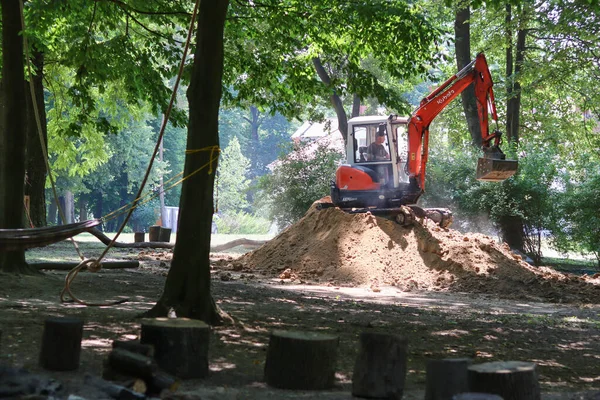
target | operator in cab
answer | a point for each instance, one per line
(377, 150)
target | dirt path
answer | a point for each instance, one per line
(562, 339)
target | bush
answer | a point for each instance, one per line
(242, 223)
(297, 180)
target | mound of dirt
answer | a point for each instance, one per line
(331, 246)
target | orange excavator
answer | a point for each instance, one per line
(386, 160)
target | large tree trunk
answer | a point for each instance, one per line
(36, 166)
(462, 45)
(512, 228)
(513, 106)
(254, 122)
(336, 101)
(12, 133)
(187, 289)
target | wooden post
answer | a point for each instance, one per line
(380, 368)
(153, 233)
(513, 380)
(446, 378)
(164, 235)
(180, 345)
(301, 360)
(139, 237)
(476, 396)
(61, 344)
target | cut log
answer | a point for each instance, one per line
(161, 381)
(154, 233)
(134, 346)
(301, 360)
(113, 390)
(61, 344)
(476, 396)
(151, 244)
(164, 235)
(380, 367)
(132, 364)
(67, 266)
(446, 378)
(139, 237)
(180, 345)
(512, 380)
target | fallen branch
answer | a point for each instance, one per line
(69, 265)
(165, 245)
(237, 242)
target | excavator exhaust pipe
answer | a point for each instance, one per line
(495, 170)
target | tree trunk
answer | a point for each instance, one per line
(82, 204)
(355, 106)
(187, 289)
(254, 123)
(336, 101)
(12, 133)
(52, 213)
(513, 107)
(462, 45)
(511, 231)
(36, 165)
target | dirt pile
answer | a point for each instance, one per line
(331, 246)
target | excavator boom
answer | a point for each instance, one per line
(493, 166)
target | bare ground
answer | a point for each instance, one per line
(451, 295)
(561, 339)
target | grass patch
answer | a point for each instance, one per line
(571, 265)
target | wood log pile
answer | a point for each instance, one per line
(131, 372)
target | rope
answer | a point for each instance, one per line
(94, 265)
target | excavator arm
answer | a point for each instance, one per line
(493, 166)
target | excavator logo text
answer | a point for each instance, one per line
(446, 96)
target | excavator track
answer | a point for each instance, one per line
(404, 215)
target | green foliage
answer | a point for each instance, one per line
(232, 183)
(529, 195)
(577, 226)
(144, 216)
(270, 51)
(299, 179)
(240, 222)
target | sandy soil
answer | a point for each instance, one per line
(451, 295)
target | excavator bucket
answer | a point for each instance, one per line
(495, 170)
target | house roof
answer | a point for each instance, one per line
(315, 130)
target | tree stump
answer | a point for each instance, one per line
(446, 378)
(61, 344)
(154, 233)
(164, 235)
(139, 237)
(301, 360)
(180, 345)
(512, 380)
(380, 368)
(476, 396)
